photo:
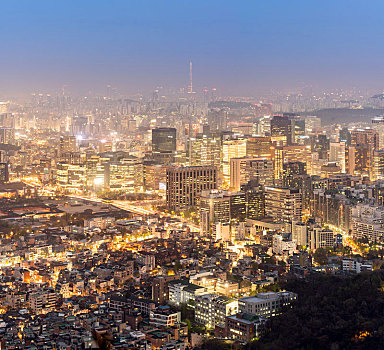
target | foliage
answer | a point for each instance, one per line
(331, 313)
(320, 256)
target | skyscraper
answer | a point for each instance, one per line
(232, 149)
(67, 144)
(283, 204)
(185, 183)
(283, 130)
(164, 144)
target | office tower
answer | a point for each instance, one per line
(71, 177)
(231, 149)
(155, 176)
(221, 207)
(365, 137)
(289, 154)
(312, 124)
(244, 169)
(264, 126)
(7, 135)
(320, 144)
(364, 141)
(378, 125)
(164, 144)
(259, 146)
(184, 184)
(255, 200)
(378, 164)
(214, 208)
(290, 170)
(204, 149)
(299, 129)
(320, 238)
(283, 204)
(283, 130)
(300, 234)
(218, 119)
(79, 125)
(4, 173)
(67, 144)
(345, 135)
(350, 160)
(125, 175)
(337, 154)
(7, 120)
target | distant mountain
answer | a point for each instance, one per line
(345, 115)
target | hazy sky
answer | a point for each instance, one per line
(240, 47)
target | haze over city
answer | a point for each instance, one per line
(249, 48)
(191, 175)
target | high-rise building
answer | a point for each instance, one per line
(259, 146)
(231, 149)
(204, 149)
(287, 154)
(221, 207)
(4, 173)
(244, 169)
(312, 123)
(283, 204)
(164, 144)
(185, 183)
(67, 144)
(283, 130)
(378, 164)
(255, 200)
(290, 170)
(7, 135)
(365, 141)
(337, 154)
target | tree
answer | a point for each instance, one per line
(320, 256)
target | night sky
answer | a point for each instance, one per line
(240, 47)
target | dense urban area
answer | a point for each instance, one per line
(192, 221)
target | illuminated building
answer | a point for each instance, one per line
(312, 124)
(212, 309)
(67, 144)
(164, 144)
(4, 172)
(214, 207)
(255, 200)
(259, 146)
(283, 204)
(243, 326)
(125, 175)
(185, 183)
(71, 177)
(264, 126)
(288, 154)
(221, 207)
(155, 176)
(232, 149)
(204, 149)
(266, 304)
(378, 164)
(242, 170)
(365, 141)
(337, 154)
(7, 135)
(320, 238)
(283, 130)
(290, 170)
